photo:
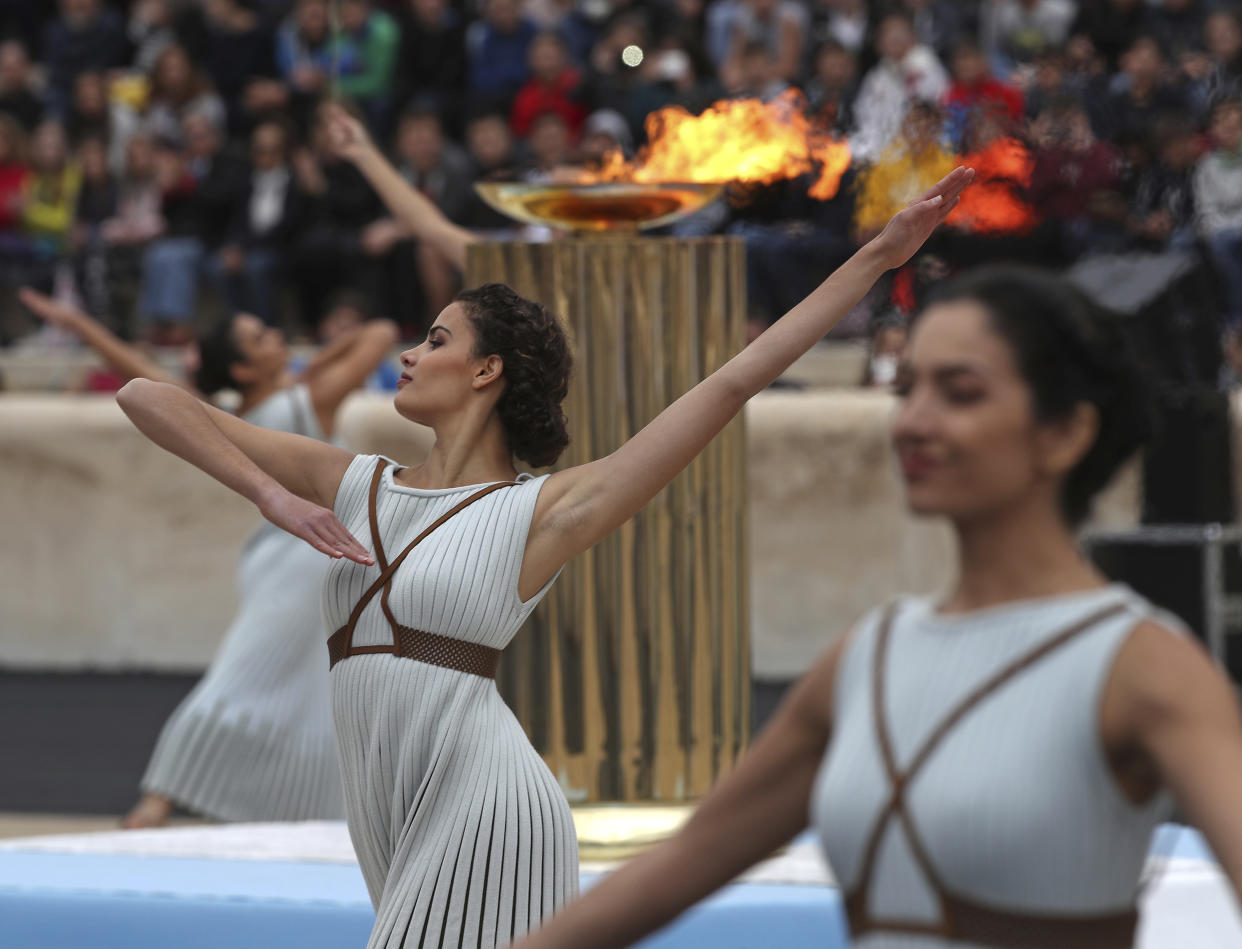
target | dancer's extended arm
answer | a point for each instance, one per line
(291, 479)
(580, 506)
(757, 808)
(417, 212)
(126, 359)
(1175, 710)
(344, 365)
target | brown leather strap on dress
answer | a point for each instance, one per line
(340, 643)
(425, 647)
(962, 918)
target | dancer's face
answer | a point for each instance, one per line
(263, 347)
(443, 374)
(968, 444)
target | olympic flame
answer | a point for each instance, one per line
(993, 203)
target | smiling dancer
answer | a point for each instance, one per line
(462, 833)
(253, 740)
(985, 769)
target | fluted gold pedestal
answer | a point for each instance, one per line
(633, 677)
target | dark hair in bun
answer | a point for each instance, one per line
(1069, 352)
(217, 353)
(537, 361)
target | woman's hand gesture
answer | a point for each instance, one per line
(347, 136)
(314, 524)
(908, 229)
(49, 310)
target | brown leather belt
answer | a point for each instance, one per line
(444, 651)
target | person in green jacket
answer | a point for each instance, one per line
(372, 36)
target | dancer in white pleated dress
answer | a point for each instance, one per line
(985, 769)
(253, 740)
(462, 831)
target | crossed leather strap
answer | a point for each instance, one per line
(961, 918)
(409, 643)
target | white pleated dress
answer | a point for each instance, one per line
(1015, 812)
(253, 741)
(463, 834)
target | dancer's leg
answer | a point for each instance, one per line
(152, 810)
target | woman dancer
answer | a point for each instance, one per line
(253, 740)
(462, 833)
(984, 769)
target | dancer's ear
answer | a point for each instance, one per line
(489, 371)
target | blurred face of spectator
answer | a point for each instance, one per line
(14, 65)
(1227, 127)
(895, 39)
(1222, 35)
(78, 13)
(10, 137)
(1143, 62)
(202, 138)
(1180, 151)
(354, 15)
(986, 126)
(428, 11)
(1049, 73)
(140, 158)
(267, 147)
(420, 142)
(757, 70)
(93, 157)
(835, 67)
(490, 142)
(549, 141)
(90, 95)
(503, 15)
(689, 10)
(173, 73)
(50, 149)
(762, 8)
(969, 66)
(312, 20)
(921, 127)
(548, 58)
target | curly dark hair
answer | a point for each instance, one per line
(537, 363)
(1069, 352)
(218, 352)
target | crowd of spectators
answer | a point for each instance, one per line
(156, 153)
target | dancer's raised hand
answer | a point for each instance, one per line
(347, 136)
(908, 229)
(49, 310)
(314, 524)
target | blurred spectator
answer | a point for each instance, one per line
(907, 72)
(375, 36)
(778, 28)
(137, 218)
(200, 187)
(551, 146)
(17, 94)
(756, 75)
(497, 48)
(1162, 211)
(235, 49)
(86, 36)
(1112, 26)
(1075, 180)
(888, 341)
(50, 199)
(431, 62)
(579, 31)
(844, 22)
(266, 216)
(612, 83)
(442, 172)
(915, 161)
(97, 202)
(305, 58)
(606, 132)
(150, 30)
(974, 90)
(1141, 92)
(493, 157)
(177, 88)
(1178, 25)
(832, 88)
(939, 24)
(1231, 366)
(92, 114)
(1218, 202)
(14, 172)
(554, 86)
(1217, 74)
(1013, 32)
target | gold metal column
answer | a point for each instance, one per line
(633, 677)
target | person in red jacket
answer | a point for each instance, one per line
(975, 89)
(553, 87)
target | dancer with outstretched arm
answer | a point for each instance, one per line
(985, 768)
(462, 832)
(253, 740)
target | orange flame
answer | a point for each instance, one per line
(993, 204)
(736, 140)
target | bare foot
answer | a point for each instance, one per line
(150, 811)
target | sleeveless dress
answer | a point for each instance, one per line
(965, 799)
(253, 741)
(462, 833)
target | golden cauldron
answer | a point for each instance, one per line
(606, 206)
